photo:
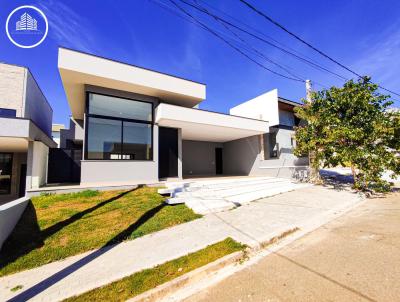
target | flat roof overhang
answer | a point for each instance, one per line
(201, 125)
(13, 144)
(15, 133)
(78, 69)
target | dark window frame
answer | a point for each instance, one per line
(122, 120)
(11, 174)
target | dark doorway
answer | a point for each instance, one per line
(22, 181)
(218, 161)
(64, 165)
(167, 152)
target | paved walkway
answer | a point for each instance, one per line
(252, 224)
(353, 258)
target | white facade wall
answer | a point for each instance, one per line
(199, 157)
(36, 165)
(10, 214)
(37, 109)
(263, 107)
(244, 157)
(12, 87)
(19, 91)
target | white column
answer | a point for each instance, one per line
(180, 165)
(36, 171)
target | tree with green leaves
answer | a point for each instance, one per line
(351, 126)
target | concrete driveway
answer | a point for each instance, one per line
(353, 258)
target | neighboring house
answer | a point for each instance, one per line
(134, 125)
(276, 158)
(72, 138)
(25, 132)
(55, 133)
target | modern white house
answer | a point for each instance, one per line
(25, 132)
(131, 125)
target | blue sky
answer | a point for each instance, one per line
(363, 34)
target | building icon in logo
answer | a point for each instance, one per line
(26, 22)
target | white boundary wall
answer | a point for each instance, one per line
(10, 213)
(263, 107)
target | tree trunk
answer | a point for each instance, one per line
(354, 173)
(314, 168)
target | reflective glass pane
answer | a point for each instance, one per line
(104, 138)
(137, 141)
(119, 107)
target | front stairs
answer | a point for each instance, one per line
(217, 195)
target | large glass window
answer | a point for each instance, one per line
(5, 173)
(119, 129)
(136, 141)
(118, 107)
(104, 138)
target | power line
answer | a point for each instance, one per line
(256, 30)
(310, 63)
(168, 8)
(260, 54)
(244, 42)
(297, 37)
(239, 39)
(306, 43)
(231, 45)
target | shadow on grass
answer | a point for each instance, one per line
(27, 235)
(46, 283)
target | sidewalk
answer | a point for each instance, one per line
(353, 258)
(252, 224)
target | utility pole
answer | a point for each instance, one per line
(308, 90)
(314, 171)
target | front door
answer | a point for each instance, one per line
(218, 161)
(167, 152)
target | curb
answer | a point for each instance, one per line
(280, 240)
(163, 290)
(200, 273)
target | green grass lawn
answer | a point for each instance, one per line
(142, 281)
(54, 227)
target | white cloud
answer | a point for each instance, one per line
(67, 28)
(381, 59)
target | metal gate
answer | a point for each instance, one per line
(64, 165)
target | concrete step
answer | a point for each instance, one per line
(204, 206)
(248, 197)
(165, 191)
(216, 196)
(175, 200)
(217, 187)
(193, 187)
(215, 182)
(204, 193)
